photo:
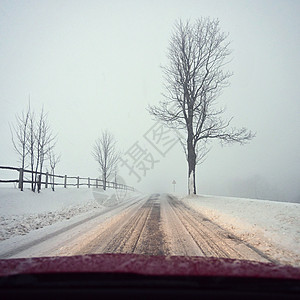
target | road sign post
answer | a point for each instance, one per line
(174, 182)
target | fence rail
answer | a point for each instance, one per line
(47, 179)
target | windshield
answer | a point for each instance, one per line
(158, 128)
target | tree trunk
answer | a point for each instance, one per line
(191, 166)
(32, 178)
(104, 181)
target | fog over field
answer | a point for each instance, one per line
(95, 65)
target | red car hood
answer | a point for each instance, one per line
(147, 265)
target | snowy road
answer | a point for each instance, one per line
(136, 231)
(164, 226)
(155, 225)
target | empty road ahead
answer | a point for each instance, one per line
(150, 225)
(162, 225)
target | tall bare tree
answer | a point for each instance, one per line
(194, 78)
(105, 153)
(19, 133)
(44, 142)
(31, 142)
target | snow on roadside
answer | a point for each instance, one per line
(272, 227)
(22, 212)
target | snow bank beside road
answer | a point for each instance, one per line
(272, 227)
(14, 202)
(22, 212)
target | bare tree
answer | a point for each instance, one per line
(39, 141)
(44, 142)
(194, 78)
(31, 142)
(53, 160)
(106, 155)
(19, 134)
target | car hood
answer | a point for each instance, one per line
(147, 265)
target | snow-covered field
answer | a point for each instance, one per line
(272, 227)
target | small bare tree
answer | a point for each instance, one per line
(194, 80)
(106, 155)
(53, 160)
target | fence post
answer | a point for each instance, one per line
(96, 183)
(65, 184)
(53, 182)
(39, 182)
(78, 182)
(46, 183)
(89, 183)
(21, 173)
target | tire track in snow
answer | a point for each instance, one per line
(206, 240)
(151, 240)
(178, 239)
(211, 238)
(56, 233)
(136, 232)
(126, 240)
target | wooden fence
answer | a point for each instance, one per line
(47, 180)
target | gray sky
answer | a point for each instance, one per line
(96, 64)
